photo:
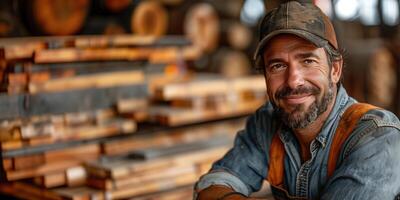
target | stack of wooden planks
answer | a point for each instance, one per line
(61, 95)
(207, 97)
(165, 162)
(68, 106)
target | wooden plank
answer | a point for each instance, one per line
(227, 127)
(82, 153)
(7, 163)
(86, 41)
(42, 127)
(41, 170)
(79, 193)
(79, 68)
(21, 51)
(23, 192)
(132, 105)
(15, 89)
(51, 180)
(179, 116)
(9, 132)
(158, 152)
(112, 127)
(89, 81)
(129, 40)
(80, 55)
(165, 184)
(33, 190)
(162, 55)
(11, 144)
(38, 141)
(112, 41)
(17, 79)
(27, 162)
(71, 177)
(141, 178)
(83, 132)
(205, 85)
(117, 168)
(177, 136)
(39, 129)
(174, 55)
(23, 106)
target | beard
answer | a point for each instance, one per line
(300, 118)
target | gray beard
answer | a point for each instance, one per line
(305, 118)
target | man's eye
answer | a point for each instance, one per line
(276, 67)
(308, 61)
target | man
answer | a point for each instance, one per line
(311, 141)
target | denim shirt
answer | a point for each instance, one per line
(368, 165)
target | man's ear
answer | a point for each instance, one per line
(336, 71)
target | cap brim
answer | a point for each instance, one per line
(316, 40)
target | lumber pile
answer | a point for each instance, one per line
(169, 165)
(161, 169)
(207, 97)
(70, 106)
(56, 107)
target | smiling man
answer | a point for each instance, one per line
(311, 140)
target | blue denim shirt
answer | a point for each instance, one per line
(368, 166)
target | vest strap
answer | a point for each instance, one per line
(276, 161)
(346, 126)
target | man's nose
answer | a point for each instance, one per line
(294, 76)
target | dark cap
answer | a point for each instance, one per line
(302, 19)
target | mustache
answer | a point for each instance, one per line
(287, 91)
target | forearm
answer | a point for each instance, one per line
(220, 192)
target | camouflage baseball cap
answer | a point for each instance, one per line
(302, 19)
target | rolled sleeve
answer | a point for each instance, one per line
(222, 178)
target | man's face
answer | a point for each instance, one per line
(300, 82)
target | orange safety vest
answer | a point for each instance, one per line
(346, 126)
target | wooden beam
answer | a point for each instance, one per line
(84, 132)
(41, 170)
(82, 153)
(160, 55)
(203, 86)
(51, 180)
(151, 187)
(26, 162)
(24, 48)
(135, 180)
(179, 116)
(89, 81)
(80, 55)
(121, 167)
(24, 106)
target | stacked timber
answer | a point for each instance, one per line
(71, 104)
(154, 169)
(60, 96)
(169, 165)
(207, 97)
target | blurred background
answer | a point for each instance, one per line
(134, 99)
